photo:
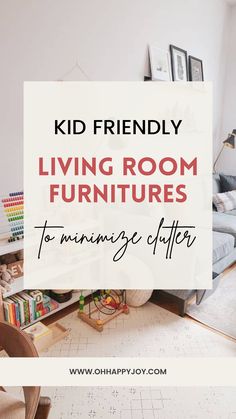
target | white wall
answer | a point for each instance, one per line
(40, 40)
(227, 162)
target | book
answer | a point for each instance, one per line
(11, 310)
(31, 305)
(21, 309)
(6, 312)
(37, 330)
(17, 311)
(26, 307)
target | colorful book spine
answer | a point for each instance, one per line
(31, 308)
(6, 312)
(17, 311)
(10, 307)
(42, 312)
(21, 309)
(26, 308)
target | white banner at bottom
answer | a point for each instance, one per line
(118, 371)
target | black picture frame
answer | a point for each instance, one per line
(198, 65)
(183, 64)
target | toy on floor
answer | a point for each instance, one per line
(81, 303)
(103, 307)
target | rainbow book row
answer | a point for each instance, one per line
(12, 216)
(22, 309)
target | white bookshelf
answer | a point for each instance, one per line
(15, 246)
(74, 299)
(18, 284)
(6, 248)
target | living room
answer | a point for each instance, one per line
(213, 43)
(50, 41)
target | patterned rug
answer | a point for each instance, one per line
(148, 331)
(219, 310)
(142, 403)
(139, 402)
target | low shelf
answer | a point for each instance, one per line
(74, 299)
(6, 247)
(16, 286)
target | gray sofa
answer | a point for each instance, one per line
(224, 235)
(224, 243)
(224, 255)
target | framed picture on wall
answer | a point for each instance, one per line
(179, 63)
(195, 69)
(159, 63)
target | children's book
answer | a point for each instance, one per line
(37, 330)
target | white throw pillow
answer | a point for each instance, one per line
(225, 201)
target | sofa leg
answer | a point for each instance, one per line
(182, 309)
(43, 408)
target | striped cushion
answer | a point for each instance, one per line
(225, 201)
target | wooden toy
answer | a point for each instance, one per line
(16, 269)
(37, 296)
(81, 303)
(103, 307)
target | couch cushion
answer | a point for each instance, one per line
(216, 183)
(228, 183)
(224, 223)
(225, 201)
(232, 212)
(223, 245)
(10, 407)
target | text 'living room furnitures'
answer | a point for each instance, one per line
(17, 344)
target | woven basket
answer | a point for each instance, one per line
(137, 298)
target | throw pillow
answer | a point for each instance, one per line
(228, 183)
(225, 201)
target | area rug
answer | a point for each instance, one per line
(219, 310)
(148, 331)
(139, 402)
